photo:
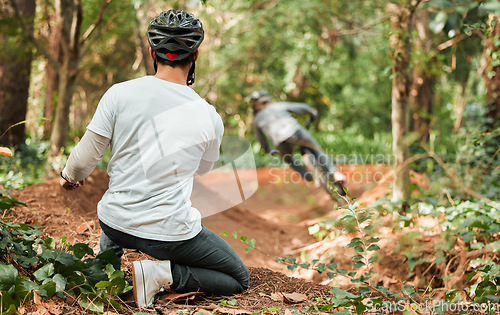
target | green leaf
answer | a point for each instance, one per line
(373, 240)
(360, 249)
(8, 276)
(320, 268)
(45, 272)
(492, 6)
(102, 284)
(357, 257)
(341, 294)
(49, 288)
(80, 250)
(109, 257)
(372, 259)
(373, 247)
(60, 283)
(364, 290)
(30, 285)
(94, 273)
(354, 242)
(59, 256)
(358, 264)
(342, 271)
(332, 266)
(91, 303)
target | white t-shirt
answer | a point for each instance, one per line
(159, 131)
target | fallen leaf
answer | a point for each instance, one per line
(83, 227)
(231, 311)
(5, 151)
(36, 298)
(53, 307)
(294, 298)
(201, 311)
(180, 297)
(278, 297)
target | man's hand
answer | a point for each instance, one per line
(70, 186)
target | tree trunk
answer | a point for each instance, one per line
(15, 70)
(492, 75)
(423, 79)
(400, 49)
(141, 41)
(52, 74)
(71, 17)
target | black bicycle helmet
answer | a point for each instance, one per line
(259, 97)
(175, 35)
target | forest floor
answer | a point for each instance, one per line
(277, 216)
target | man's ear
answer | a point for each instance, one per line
(152, 54)
(195, 55)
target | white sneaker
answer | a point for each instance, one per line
(339, 177)
(150, 277)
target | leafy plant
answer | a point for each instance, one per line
(360, 222)
(243, 238)
(29, 264)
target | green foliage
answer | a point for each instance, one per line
(26, 167)
(243, 238)
(308, 60)
(228, 302)
(362, 222)
(31, 264)
(474, 224)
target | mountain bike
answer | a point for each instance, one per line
(321, 178)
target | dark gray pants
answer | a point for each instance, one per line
(205, 262)
(305, 141)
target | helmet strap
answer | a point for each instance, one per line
(190, 78)
(155, 65)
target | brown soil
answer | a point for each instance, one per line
(277, 216)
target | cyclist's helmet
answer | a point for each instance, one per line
(175, 35)
(259, 97)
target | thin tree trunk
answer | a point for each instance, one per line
(492, 75)
(52, 75)
(71, 13)
(401, 49)
(422, 87)
(15, 70)
(142, 44)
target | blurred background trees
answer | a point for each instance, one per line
(341, 57)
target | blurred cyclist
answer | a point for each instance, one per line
(161, 133)
(273, 119)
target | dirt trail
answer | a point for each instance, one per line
(277, 215)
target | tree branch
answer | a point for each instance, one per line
(458, 180)
(85, 49)
(96, 23)
(29, 35)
